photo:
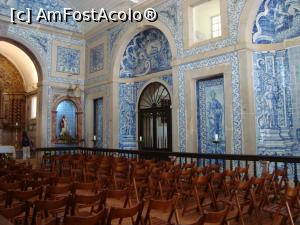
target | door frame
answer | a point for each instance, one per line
(166, 109)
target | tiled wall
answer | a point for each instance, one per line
(128, 98)
(35, 6)
(211, 115)
(294, 66)
(148, 52)
(276, 21)
(98, 104)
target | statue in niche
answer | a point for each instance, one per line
(63, 126)
(215, 116)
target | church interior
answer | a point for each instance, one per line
(190, 118)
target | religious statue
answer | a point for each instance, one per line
(63, 126)
(215, 116)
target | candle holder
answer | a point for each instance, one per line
(216, 141)
(94, 141)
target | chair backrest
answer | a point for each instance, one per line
(27, 195)
(118, 194)
(216, 218)
(97, 219)
(92, 187)
(89, 201)
(162, 205)
(54, 191)
(11, 213)
(44, 206)
(121, 213)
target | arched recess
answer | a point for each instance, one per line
(155, 117)
(122, 42)
(55, 139)
(131, 84)
(15, 50)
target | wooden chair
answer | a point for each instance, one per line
(242, 173)
(122, 213)
(48, 212)
(85, 188)
(121, 175)
(104, 174)
(167, 185)
(18, 214)
(55, 192)
(240, 199)
(64, 181)
(185, 187)
(165, 206)
(215, 218)
(96, 219)
(202, 191)
(218, 186)
(287, 208)
(90, 203)
(77, 168)
(140, 181)
(26, 196)
(122, 196)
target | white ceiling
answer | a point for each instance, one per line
(82, 5)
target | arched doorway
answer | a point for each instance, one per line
(155, 118)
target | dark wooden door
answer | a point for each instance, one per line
(155, 119)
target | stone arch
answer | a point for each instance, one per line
(30, 51)
(247, 20)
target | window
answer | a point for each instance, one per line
(216, 26)
(204, 20)
(33, 107)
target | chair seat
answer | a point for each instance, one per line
(279, 209)
(158, 221)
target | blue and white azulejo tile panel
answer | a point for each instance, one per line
(97, 58)
(274, 118)
(99, 121)
(68, 60)
(148, 52)
(211, 115)
(35, 6)
(276, 21)
(127, 116)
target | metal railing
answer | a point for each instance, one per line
(256, 163)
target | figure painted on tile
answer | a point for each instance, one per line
(215, 116)
(63, 126)
(270, 112)
(129, 123)
(293, 7)
(280, 16)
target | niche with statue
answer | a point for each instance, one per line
(67, 121)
